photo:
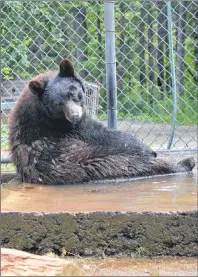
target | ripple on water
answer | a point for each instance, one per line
(159, 194)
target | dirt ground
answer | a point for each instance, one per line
(158, 135)
(20, 263)
(143, 267)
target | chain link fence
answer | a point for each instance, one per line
(36, 35)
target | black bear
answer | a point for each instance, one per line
(54, 142)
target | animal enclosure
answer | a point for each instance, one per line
(156, 47)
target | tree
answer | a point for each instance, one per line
(167, 58)
(180, 47)
(196, 44)
(142, 46)
(121, 49)
(151, 50)
(161, 33)
(36, 35)
(80, 33)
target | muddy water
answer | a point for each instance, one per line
(159, 194)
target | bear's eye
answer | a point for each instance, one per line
(75, 100)
(57, 104)
(80, 95)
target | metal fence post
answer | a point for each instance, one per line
(174, 92)
(110, 59)
(129, 28)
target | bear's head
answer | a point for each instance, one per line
(61, 95)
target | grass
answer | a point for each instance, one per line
(10, 167)
(141, 252)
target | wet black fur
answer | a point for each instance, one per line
(48, 149)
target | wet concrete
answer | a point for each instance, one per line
(102, 233)
(145, 217)
(160, 194)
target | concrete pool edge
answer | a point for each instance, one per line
(6, 177)
(102, 233)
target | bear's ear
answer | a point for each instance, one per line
(37, 87)
(66, 68)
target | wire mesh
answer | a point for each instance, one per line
(144, 70)
(36, 35)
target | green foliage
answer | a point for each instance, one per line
(37, 34)
(5, 147)
(8, 167)
(4, 135)
(141, 252)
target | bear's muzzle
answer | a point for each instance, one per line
(73, 111)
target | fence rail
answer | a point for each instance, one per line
(156, 64)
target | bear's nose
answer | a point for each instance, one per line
(72, 89)
(72, 95)
(73, 111)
